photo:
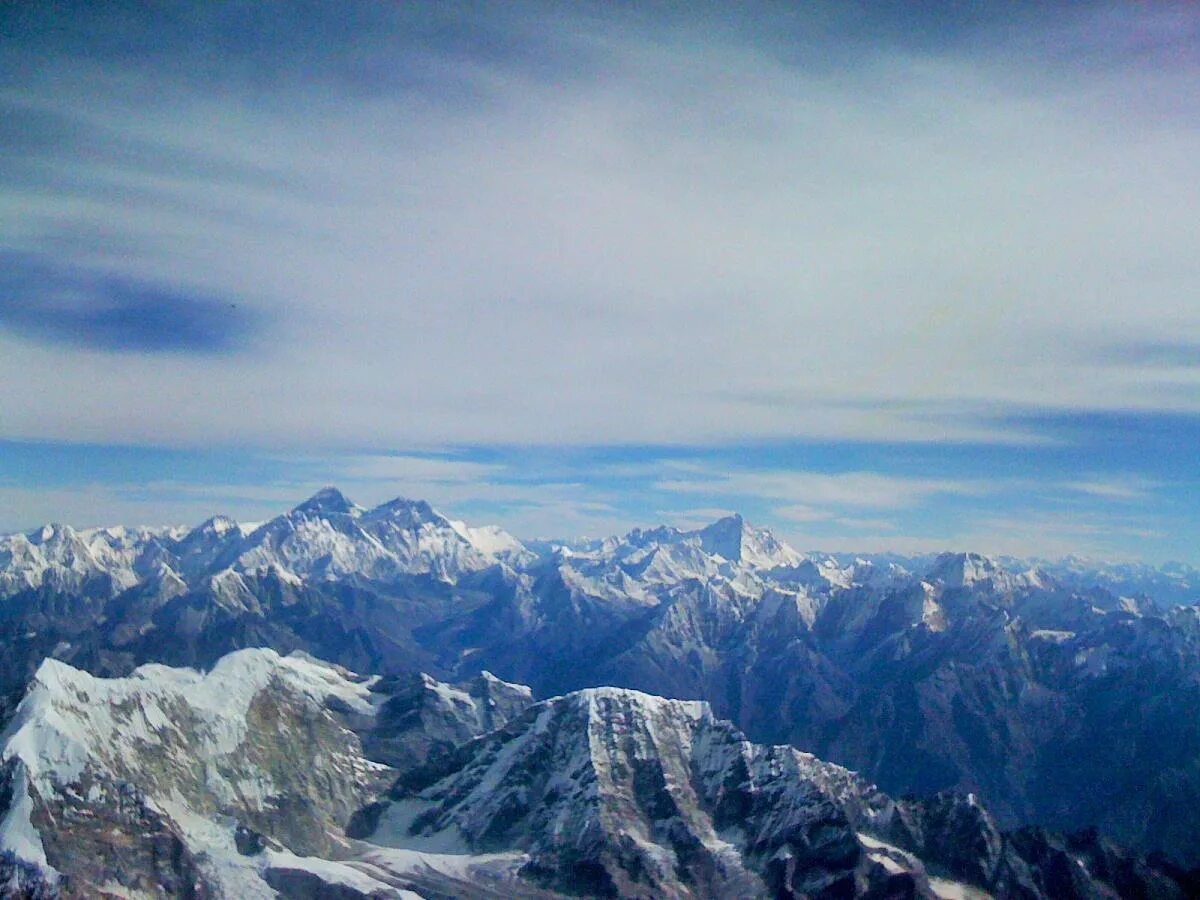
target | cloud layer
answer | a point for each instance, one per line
(906, 276)
(596, 227)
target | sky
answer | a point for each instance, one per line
(913, 276)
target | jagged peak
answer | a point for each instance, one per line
(734, 520)
(49, 532)
(409, 512)
(660, 534)
(963, 568)
(217, 524)
(970, 569)
(737, 540)
(328, 501)
(487, 677)
(588, 699)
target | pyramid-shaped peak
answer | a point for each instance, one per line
(725, 534)
(738, 541)
(964, 569)
(408, 512)
(218, 525)
(731, 521)
(327, 501)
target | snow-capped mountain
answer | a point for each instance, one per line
(237, 782)
(59, 558)
(621, 793)
(424, 719)
(970, 570)
(1023, 682)
(325, 537)
(258, 779)
(734, 539)
(666, 554)
(144, 784)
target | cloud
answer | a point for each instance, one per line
(51, 305)
(861, 524)
(1034, 535)
(1128, 488)
(439, 470)
(595, 226)
(1174, 354)
(810, 490)
(799, 512)
(1051, 528)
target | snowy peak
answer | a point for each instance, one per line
(98, 561)
(328, 537)
(69, 719)
(635, 795)
(971, 570)
(737, 541)
(405, 513)
(174, 755)
(325, 537)
(328, 501)
(495, 541)
(255, 780)
(666, 554)
(49, 534)
(215, 527)
(725, 537)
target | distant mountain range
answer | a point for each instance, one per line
(998, 696)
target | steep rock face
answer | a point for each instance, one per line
(736, 540)
(1067, 727)
(423, 719)
(613, 792)
(141, 783)
(1046, 688)
(256, 779)
(620, 793)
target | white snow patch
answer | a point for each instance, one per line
(17, 833)
(1052, 635)
(956, 890)
(328, 871)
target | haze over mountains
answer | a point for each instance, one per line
(1057, 694)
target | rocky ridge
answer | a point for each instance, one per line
(1055, 699)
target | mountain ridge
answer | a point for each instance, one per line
(957, 671)
(605, 792)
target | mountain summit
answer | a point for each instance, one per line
(737, 541)
(328, 501)
(1024, 684)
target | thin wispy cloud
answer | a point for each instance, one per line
(852, 489)
(514, 228)
(1115, 489)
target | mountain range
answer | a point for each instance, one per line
(836, 726)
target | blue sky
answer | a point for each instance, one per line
(881, 276)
